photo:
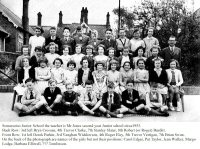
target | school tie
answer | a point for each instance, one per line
(89, 96)
(110, 102)
(31, 95)
(52, 91)
(130, 96)
(173, 81)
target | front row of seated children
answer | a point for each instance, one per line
(71, 103)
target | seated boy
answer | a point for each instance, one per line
(69, 103)
(154, 104)
(88, 100)
(52, 95)
(131, 101)
(31, 100)
(111, 104)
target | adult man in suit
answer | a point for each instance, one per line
(67, 40)
(109, 41)
(111, 104)
(171, 52)
(53, 38)
(81, 39)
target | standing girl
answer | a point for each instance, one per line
(77, 57)
(42, 75)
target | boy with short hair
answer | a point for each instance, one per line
(69, 103)
(88, 100)
(111, 104)
(30, 101)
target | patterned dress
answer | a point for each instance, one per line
(124, 76)
(114, 76)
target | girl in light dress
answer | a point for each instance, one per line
(140, 55)
(114, 75)
(101, 57)
(42, 75)
(57, 73)
(77, 57)
(141, 78)
(52, 55)
(26, 72)
(100, 78)
(126, 73)
(65, 57)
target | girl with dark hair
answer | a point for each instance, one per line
(139, 55)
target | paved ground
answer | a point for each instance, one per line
(191, 114)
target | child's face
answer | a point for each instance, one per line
(140, 52)
(43, 64)
(71, 67)
(85, 63)
(122, 33)
(127, 66)
(93, 36)
(38, 53)
(52, 49)
(172, 42)
(129, 86)
(25, 62)
(52, 85)
(157, 64)
(141, 65)
(29, 86)
(153, 89)
(37, 32)
(99, 67)
(150, 32)
(88, 88)
(173, 65)
(154, 51)
(69, 88)
(58, 64)
(137, 35)
(125, 52)
(108, 34)
(25, 51)
(89, 51)
(101, 51)
(110, 90)
(66, 51)
(78, 49)
(111, 53)
(53, 32)
(66, 32)
(113, 66)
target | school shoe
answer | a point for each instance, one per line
(178, 109)
(55, 112)
(108, 115)
(165, 114)
(74, 113)
(97, 114)
(171, 107)
(22, 114)
(163, 108)
(120, 115)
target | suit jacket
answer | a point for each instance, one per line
(153, 77)
(70, 97)
(49, 96)
(108, 44)
(21, 74)
(83, 42)
(178, 76)
(56, 41)
(126, 98)
(167, 55)
(71, 43)
(116, 100)
(80, 75)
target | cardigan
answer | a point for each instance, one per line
(162, 79)
(178, 76)
(31, 73)
(80, 75)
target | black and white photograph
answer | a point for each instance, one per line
(99, 71)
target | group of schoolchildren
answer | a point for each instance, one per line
(81, 75)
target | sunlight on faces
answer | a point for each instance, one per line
(25, 62)
(71, 67)
(141, 64)
(57, 64)
(111, 53)
(99, 67)
(78, 49)
(127, 66)
(52, 49)
(108, 34)
(155, 52)
(113, 66)
(157, 64)
(38, 53)
(89, 51)
(140, 52)
(150, 32)
(25, 51)
(66, 51)
(52, 85)
(53, 32)
(172, 41)
(173, 65)
(37, 32)
(66, 32)
(69, 87)
(101, 51)
(129, 86)
(85, 63)
(29, 85)
(122, 33)
(136, 35)
(43, 64)
(89, 87)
